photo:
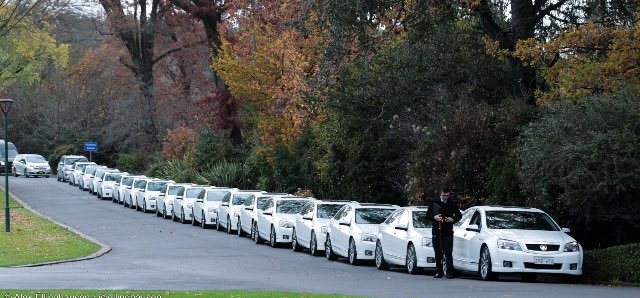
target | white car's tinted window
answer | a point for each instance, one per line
(393, 216)
(520, 220)
(128, 181)
(328, 210)
(420, 220)
(111, 177)
(192, 193)
(70, 161)
(261, 201)
(216, 195)
(238, 199)
(140, 184)
(343, 213)
(465, 217)
(248, 202)
(372, 215)
(289, 206)
(156, 186)
(174, 190)
(404, 218)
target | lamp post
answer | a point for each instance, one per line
(5, 105)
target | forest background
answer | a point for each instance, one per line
(513, 102)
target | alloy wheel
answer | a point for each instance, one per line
(411, 261)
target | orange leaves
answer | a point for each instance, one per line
(178, 142)
(587, 60)
(267, 67)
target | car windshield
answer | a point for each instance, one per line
(35, 158)
(80, 167)
(156, 186)
(328, 210)
(372, 215)
(174, 190)
(520, 220)
(92, 171)
(70, 161)
(127, 181)
(192, 193)
(111, 177)
(420, 220)
(261, 201)
(238, 199)
(140, 184)
(289, 206)
(12, 150)
(216, 195)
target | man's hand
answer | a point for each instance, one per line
(448, 219)
(438, 218)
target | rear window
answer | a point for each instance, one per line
(328, 210)
(372, 215)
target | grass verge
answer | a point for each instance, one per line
(154, 294)
(34, 239)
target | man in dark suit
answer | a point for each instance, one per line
(444, 212)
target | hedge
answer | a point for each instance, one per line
(613, 264)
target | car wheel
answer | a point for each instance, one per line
(253, 231)
(173, 216)
(158, 214)
(99, 195)
(203, 222)
(313, 244)
(272, 237)
(228, 225)
(58, 178)
(26, 175)
(411, 261)
(182, 220)
(193, 219)
(144, 206)
(528, 277)
(258, 239)
(218, 226)
(381, 264)
(485, 265)
(239, 229)
(328, 251)
(294, 241)
(46, 176)
(164, 212)
(353, 253)
(15, 174)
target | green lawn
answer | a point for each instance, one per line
(154, 294)
(34, 239)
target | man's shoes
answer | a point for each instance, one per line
(438, 275)
(449, 276)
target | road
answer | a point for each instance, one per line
(152, 253)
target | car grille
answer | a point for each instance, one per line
(541, 247)
(542, 266)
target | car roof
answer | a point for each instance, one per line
(72, 156)
(372, 205)
(506, 208)
(290, 198)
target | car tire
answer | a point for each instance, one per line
(144, 206)
(173, 216)
(239, 229)
(26, 175)
(253, 231)
(218, 227)
(99, 195)
(228, 225)
(328, 251)
(46, 176)
(411, 260)
(294, 241)
(528, 277)
(15, 174)
(353, 252)
(58, 178)
(203, 222)
(193, 220)
(258, 239)
(182, 219)
(313, 244)
(381, 264)
(273, 237)
(484, 270)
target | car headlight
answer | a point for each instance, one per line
(213, 209)
(324, 229)
(368, 237)
(189, 205)
(508, 244)
(286, 224)
(426, 241)
(572, 247)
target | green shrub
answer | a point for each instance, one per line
(213, 147)
(613, 264)
(227, 174)
(131, 162)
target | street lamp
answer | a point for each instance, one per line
(5, 105)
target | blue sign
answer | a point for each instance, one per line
(91, 146)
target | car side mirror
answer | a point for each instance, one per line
(248, 208)
(225, 204)
(142, 190)
(307, 217)
(128, 187)
(161, 195)
(179, 198)
(345, 223)
(267, 213)
(199, 200)
(403, 227)
(23, 161)
(566, 230)
(473, 228)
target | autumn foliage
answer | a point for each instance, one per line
(178, 143)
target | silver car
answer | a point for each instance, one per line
(31, 165)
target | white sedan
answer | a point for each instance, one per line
(107, 187)
(122, 188)
(490, 240)
(352, 231)
(164, 200)
(229, 212)
(181, 207)
(276, 217)
(404, 239)
(250, 210)
(78, 171)
(146, 197)
(131, 192)
(311, 224)
(87, 175)
(205, 209)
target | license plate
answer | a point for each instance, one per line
(544, 261)
(41, 172)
